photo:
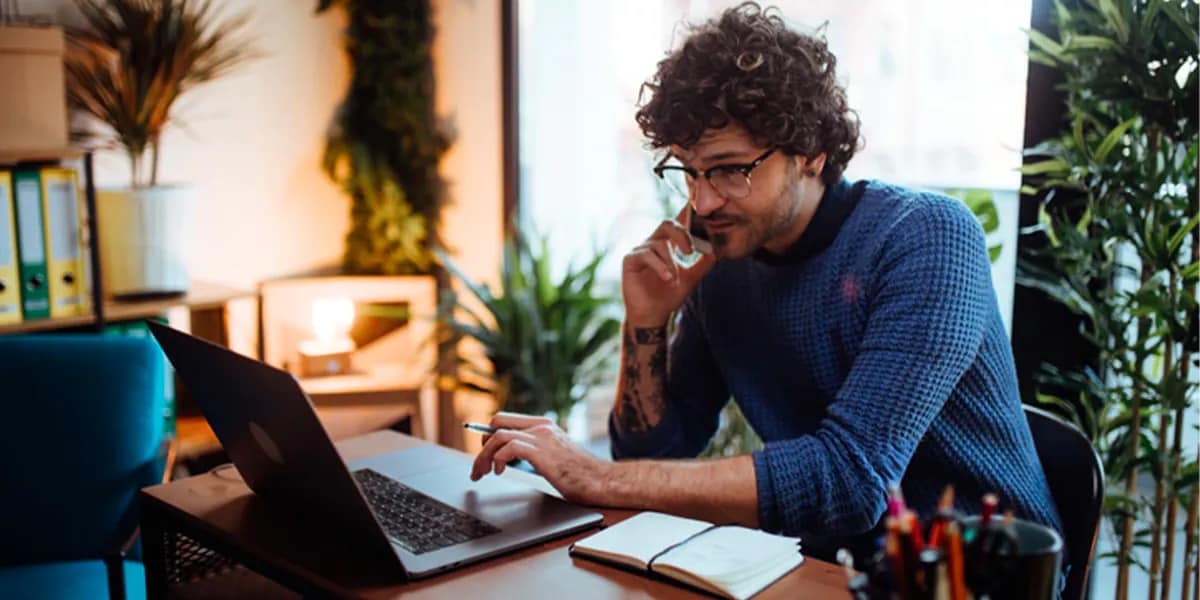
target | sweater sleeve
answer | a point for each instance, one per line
(926, 316)
(694, 394)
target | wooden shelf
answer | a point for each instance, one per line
(12, 157)
(202, 296)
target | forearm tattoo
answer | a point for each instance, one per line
(643, 375)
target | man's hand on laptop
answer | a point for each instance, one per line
(576, 474)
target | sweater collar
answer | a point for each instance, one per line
(835, 207)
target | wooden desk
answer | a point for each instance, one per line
(203, 534)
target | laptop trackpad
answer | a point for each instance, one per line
(409, 462)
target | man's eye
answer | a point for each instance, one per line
(727, 170)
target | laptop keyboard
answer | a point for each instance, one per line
(415, 521)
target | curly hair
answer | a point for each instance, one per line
(747, 68)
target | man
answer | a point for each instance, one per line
(855, 325)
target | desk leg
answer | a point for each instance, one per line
(154, 549)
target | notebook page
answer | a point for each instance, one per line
(736, 560)
(640, 537)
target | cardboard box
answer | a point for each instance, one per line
(33, 99)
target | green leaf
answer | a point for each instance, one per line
(1091, 42)
(1115, 19)
(1077, 134)
(1047, 224)
(1110, 140)
(994, 252)
(1045, 44)
(1084, 221)
(1173, 12)
(1055, 165)
(1176, 240)
(1042, 58)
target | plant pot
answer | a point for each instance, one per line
(143, 233)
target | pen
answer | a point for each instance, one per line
(481, 428)
(945, 512)
(895, 554)
(895, 502)
(954, 563)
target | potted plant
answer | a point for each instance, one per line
(125, 70)
(549, 340)
(1118, 205)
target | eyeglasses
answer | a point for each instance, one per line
(730, 181)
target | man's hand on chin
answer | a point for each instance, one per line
(579, 476)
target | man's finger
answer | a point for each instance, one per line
(483, 460)
(512, 451)
(646, 258)
(510, 420)
(662, 249)
(675, 232)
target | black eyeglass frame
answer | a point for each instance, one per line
(693, 174)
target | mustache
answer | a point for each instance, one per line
(721, 218)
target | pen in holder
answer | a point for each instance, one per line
(989, 556)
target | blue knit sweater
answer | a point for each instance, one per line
(872, 352)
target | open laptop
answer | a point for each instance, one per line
(415, 509)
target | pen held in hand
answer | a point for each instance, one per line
(481, 428)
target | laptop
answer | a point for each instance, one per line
(415, 509)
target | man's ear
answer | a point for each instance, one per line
(811, 167)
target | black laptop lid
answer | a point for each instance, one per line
(270, 430)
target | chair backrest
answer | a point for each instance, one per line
(83, 418)
(1076, 477)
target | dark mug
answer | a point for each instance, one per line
(1028, 570)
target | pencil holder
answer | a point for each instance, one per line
(1031, 570)
(1010, 559)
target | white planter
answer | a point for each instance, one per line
(143, 233)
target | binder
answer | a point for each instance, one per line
(31, 244)
(61, 222)
(10, 280)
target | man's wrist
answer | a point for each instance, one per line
(644, 328)
(649, 336)
(608, 490)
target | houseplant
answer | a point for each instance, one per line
(125, 70)
(549, 340)
(385, 143)
(1119, 215)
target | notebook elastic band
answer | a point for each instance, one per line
(650, 563)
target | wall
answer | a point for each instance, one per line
(466, 57)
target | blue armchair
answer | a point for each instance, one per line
(82, 431)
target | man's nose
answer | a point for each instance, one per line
(706, 199)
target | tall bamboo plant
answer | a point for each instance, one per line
(1119, 214)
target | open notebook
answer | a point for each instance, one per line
(729, 561)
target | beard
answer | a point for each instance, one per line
(751, 232)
